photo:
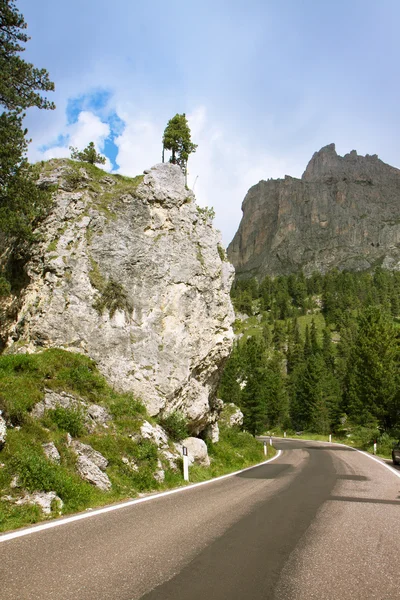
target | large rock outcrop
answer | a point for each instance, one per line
(130, 273)
(344, 212)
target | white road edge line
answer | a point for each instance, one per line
(100, 511)
(378, 460)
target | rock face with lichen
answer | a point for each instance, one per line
(344, 212)
(131, 273)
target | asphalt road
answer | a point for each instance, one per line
(321, 521)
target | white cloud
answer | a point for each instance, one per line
(88, 128)
(223, 169)
(139, 145)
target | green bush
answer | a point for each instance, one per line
(68, 419)
(175, 424)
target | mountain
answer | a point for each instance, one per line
(344, 212)
(130, 273)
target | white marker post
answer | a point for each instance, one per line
(330, 437)
(270, 440)
(375, 447)
(265, 448)
(284, 434)
(185, 463)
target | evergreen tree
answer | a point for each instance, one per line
(254, 393)
(372, 370)
(177, 139)
(21, 203)
(89, 155)
(314, 338)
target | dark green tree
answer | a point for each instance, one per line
(177, 139)
(88, 155)
(21, 203)
(372, 377)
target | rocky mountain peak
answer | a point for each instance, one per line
(344, 212)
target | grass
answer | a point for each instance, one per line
(235, 450)
(23, 379)
(361, 438)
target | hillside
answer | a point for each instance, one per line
(343, 213)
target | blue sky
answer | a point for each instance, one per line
(264, 85)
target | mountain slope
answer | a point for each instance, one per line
(344, 212)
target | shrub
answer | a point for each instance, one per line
(175, 424)
(67, 419)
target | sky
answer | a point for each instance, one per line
(264, 84)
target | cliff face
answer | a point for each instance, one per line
(129, 273)
(344, 212)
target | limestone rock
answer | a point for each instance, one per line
(51, 452)
(94, 414)
(3, 432)
(155, 434)
(343, 212)
(52, 400)
(91, 473)
(231, 415)
(167, 333)
(212, 433)
(130, 463)
(90, 453)
(159, 474)
(43, 499)
(197, 451)
(172, 456)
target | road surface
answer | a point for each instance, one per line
(321, 521)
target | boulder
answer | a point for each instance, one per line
(90, 453)
(91, 473)
(197, 451)
(166, 332)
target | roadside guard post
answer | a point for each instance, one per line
(265, 448)
(185, 463)
(270, 440)
(375, 447)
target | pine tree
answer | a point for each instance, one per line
(21, 203)
(89, 155)
(372, 370)
(177, 139)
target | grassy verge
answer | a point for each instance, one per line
(235, 450)
(23, 379)
(360, 439)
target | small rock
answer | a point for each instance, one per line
(96, 415)
(51, 452)
(159, 474)
(90, 453)
(3, 432)
(15, 483)
(154, 433)
(130, 463)
(42, 499)
(197, 451)
(172, 457)
(91, 473)
(212, 433)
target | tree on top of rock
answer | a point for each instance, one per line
(88, 155)
(177, 139)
